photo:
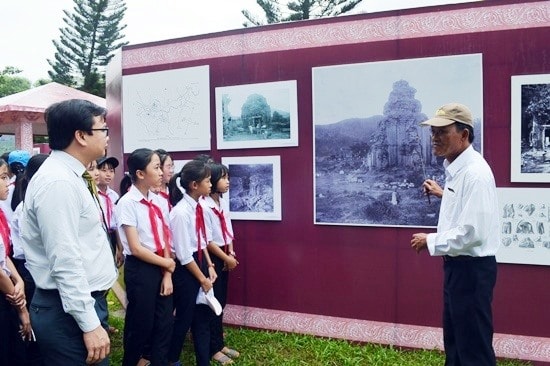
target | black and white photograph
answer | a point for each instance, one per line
(370, 153)
(255, 187)
(525, 228)
(530, 160)
(257, 115)
(169, 108)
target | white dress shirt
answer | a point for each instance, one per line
(65, 244)
(183, 228)
(213, 220)
(131, 211)
(468, 219)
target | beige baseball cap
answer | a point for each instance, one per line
(449, 114)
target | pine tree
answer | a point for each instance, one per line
(87, 44)
(298, 10)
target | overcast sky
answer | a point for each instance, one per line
(29, 26)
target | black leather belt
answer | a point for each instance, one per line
(449, 258)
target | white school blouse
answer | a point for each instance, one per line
(183, 228)
(213, 221)
(16, 240)
(132, 212)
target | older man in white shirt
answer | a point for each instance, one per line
(65, 240)
(467, 238)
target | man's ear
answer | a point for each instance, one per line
(80, 137)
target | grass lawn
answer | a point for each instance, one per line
(260, 347)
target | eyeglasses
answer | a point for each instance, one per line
(106, 130)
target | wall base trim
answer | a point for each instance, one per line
(402, 335)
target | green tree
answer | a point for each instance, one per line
(87, 44)
(10, 83)
(298, 10)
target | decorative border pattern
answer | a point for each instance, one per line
(401, 335)
(266, 39)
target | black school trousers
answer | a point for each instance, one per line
(148, 323)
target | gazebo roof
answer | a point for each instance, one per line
(30, 105)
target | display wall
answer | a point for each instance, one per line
(361, 283)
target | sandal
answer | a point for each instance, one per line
(222, 360)
(230, 352)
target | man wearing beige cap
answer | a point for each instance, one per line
(467, 238)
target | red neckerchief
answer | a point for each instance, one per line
(167, 197)
(200, 228)
(154, 210)
(109, 204)
(225, 231)
(5, 233)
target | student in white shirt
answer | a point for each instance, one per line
(146, 242)
(108, 197)
(222, 254)
(29, 353)
(12, 295)
(65, 243)
(194, 269)
(167, 166)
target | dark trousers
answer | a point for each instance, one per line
(467, 314)
(220, 291)
(28, 352)
(57, 333)
(10, 341)
(149, 319)
(190, 315)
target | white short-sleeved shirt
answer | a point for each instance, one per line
(132, 212)
(213, 220)
(184, 232)
(5, 205)
(16, 240)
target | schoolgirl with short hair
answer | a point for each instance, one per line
(148, 268)
(194, 268)
(222, 254)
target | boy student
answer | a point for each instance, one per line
(108, 197)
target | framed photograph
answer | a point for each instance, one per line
(257, 115)
(178, 165)
(167, 109)
(370, 153)
(255, 188)
(530, 160)
(525, 227)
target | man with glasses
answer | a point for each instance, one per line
(65, 241)
(467, 238)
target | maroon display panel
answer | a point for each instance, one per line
(369, 272)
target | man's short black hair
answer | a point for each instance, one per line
(63, 119)
(462, 126)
